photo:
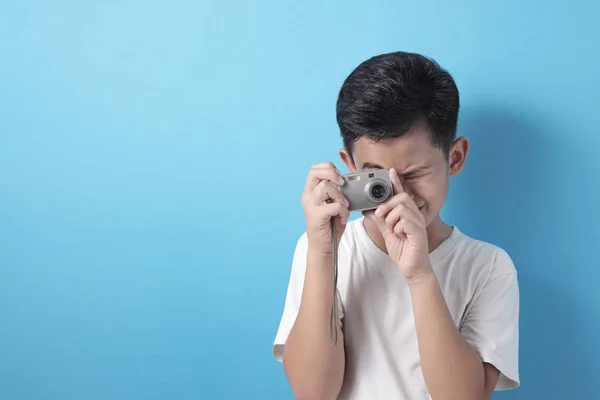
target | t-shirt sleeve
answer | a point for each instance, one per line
(293, 297)
(491, 325)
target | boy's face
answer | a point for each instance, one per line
(423, 169)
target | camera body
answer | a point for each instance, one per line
(367, 190)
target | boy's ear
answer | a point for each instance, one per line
(347, 159)
(458, 155)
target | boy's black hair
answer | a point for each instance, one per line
(388, 94)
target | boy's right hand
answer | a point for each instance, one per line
(318, 213)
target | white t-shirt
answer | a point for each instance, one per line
(479, 283)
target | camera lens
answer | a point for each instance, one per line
(378, 191)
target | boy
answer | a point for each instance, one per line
(424, 310)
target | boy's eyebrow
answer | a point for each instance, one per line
(370, 165)
(410, 171)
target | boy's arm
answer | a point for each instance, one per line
(483, 355)
(452, 361)
(313, 365)
(452, 369)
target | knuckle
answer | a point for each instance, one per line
(305, 199)
(334, 210)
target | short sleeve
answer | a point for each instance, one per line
(293, 297)
(491, 325)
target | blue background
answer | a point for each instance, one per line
(152, 156)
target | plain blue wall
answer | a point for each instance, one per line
(152, 156)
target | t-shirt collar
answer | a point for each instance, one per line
(380, 256)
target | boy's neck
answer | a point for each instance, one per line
(437, 233)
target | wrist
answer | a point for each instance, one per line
(319, 252)
(425, 276)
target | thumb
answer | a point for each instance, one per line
(370, 215)
(379, 221)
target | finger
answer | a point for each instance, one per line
(369, 214)
(379, 221)
(388, 205)
(404, 211)
(334, 210)
(344, 215)
(325, 191)
(322, 171)
(417, 215)
(393, 217)
(396, 183)
(399, 231)
(406, 227)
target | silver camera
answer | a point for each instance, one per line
(366, 190)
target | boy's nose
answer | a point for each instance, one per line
(418, 201)
(408, 190)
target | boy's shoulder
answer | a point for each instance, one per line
(478, 252)
(469, 262)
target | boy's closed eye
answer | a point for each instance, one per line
(411, 177)
(410, 173)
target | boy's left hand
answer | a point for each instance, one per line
(404, 230)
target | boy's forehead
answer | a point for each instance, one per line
(400, 153)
